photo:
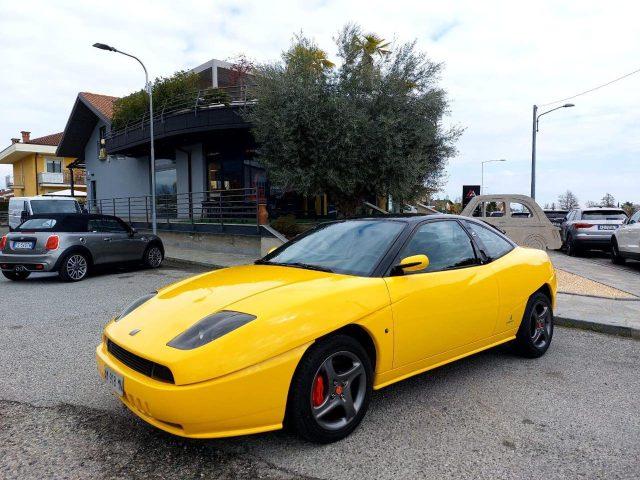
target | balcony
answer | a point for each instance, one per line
(61, 178)
(199, 111)
(14, 181)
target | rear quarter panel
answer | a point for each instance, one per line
(520, 273)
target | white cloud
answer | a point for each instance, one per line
(500, 57)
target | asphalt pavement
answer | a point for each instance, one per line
(571, 414)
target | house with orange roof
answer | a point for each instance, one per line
(37, 169)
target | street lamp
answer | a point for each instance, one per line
(149, 89)
(488, 161)
(536, 120)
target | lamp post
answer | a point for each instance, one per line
(148, 88)
(488, 161)
(536, 120)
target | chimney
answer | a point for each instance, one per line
(25, 136)
(15, 140)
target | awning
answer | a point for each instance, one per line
(66, 193)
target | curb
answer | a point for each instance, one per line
(184, 261)
(618, 330)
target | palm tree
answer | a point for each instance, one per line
(370, 45)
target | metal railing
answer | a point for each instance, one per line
(194, 101)
(233, 206)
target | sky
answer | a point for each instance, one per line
(499, 58)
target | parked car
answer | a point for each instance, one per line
(556, 216)
(590, 228)
(625, 241)
(312, 328)
(71, 244)
(519, 216)
(21, 208)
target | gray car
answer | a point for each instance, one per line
(72, 244)
(590, 228)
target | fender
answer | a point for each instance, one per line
(73, 249)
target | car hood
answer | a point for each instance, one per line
(292, 306)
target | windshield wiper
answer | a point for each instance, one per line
(306, 266)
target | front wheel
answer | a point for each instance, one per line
(74, 267)
(153, 256)
(331, 390)
(536, 329)
(16, 276)
(616, 257)
(573, 249)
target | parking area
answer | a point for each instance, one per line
(570, 414)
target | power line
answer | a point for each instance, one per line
(592, 89)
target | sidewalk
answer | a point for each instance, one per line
(206, 258)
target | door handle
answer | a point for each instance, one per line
(108, 239)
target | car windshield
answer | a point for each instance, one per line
(604, 215)
(38, 224)
(54, 206)
(352, 247)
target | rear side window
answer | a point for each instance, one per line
(445, 243)
(495, 245)
(519, 210)
(604, 215)
(38, 224)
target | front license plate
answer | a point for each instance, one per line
(115, 381)
(24, 245)
(607, 227)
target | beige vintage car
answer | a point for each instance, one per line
(519, 216)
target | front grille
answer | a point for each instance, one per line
(139, 364)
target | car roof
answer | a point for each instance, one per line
(59, 216)
(596, 209)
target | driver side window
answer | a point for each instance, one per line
(635, 218)
(445, 243)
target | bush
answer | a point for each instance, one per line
(287, 226)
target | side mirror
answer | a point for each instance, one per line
(132, 232)
(24, 215)
(414, 263)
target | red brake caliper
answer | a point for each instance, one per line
(317, 393)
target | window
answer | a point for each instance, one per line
(495, 246)
(54, 206)
(491, 209)
(445, 243)
(53, 165)
(635, 218)
(106, 225)
(519, 210)
(604, 215)
(166, 176)
(38, 224)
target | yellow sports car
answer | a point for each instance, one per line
(303, 336)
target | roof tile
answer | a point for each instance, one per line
(102, 103)
(51, 140)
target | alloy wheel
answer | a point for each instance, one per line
(154, 257)
(540, 325)
(76, 267)
(338, 390)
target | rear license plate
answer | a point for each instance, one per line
(115, 381)
(607, 227)
(23, 245)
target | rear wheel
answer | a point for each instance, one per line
(153, 256)
(331, 389)
(16, 276)
(536, 329)
(616, 257)
(74, 267)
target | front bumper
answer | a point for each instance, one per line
(8, 262)
(248, 401)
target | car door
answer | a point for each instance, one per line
(452, 303)
(628, 235)
(116, 237)
(95, 242)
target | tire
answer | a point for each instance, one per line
(536, 329)
(74, 267)
(573, 249)
(322, 411)
(16, 276)
(153, 256)
(616, 257)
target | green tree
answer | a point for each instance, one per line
(371, 126)
(608, 200)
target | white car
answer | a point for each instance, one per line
(625, 241)
(21, 208)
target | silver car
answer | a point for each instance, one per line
(72, 244)
(590, 228)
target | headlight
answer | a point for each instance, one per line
(133, 306)
(209, 328)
